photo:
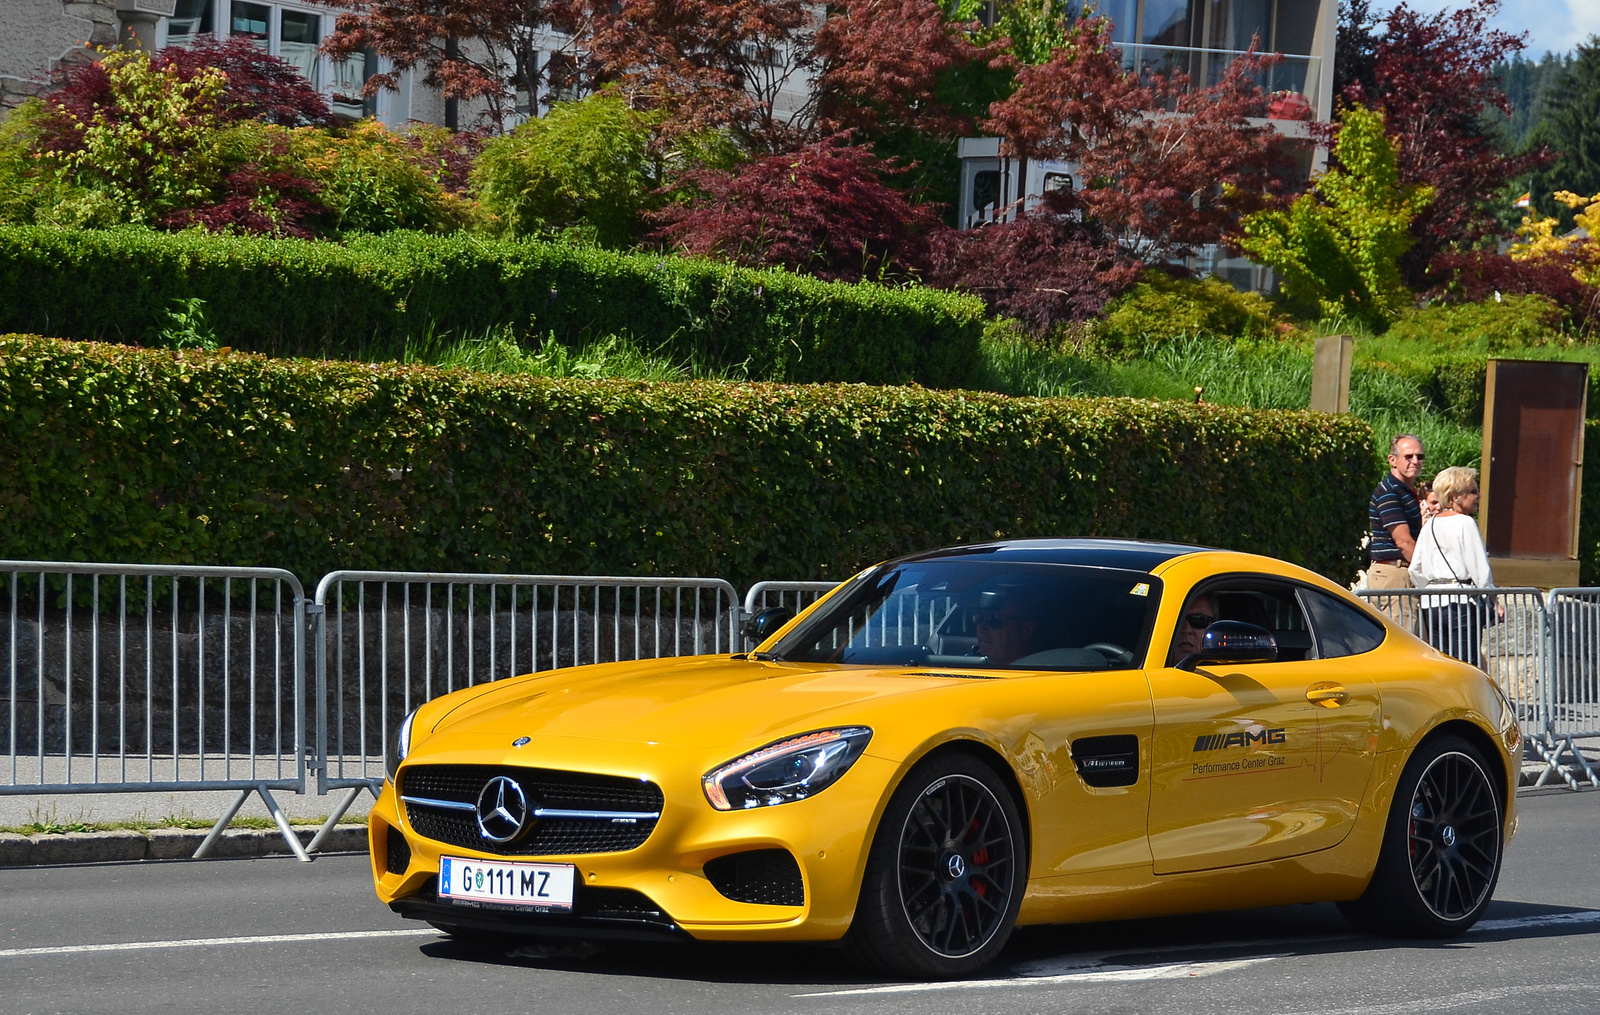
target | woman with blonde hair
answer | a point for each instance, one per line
(1450, 554)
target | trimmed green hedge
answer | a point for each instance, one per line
(364, 298)
(116, 453)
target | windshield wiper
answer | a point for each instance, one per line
(766, 657)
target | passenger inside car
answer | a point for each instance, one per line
(1274, 608)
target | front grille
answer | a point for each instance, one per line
(546, 788)
(768, 877)
(398, 859)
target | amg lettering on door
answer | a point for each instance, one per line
(1244, 738)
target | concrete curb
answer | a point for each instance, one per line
(165, 844)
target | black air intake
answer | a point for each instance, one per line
(767, 877)
(398, 851)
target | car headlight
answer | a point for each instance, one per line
(788, 770)
(402, 745)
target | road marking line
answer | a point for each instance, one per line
(1106, 974)
(210, 942)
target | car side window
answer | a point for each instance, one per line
(1271, 606)
(1342, 630)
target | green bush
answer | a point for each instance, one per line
(1509, 324)
(115, 453)
(587, 165)
(1160, 308)
(1337, 248)
(370, 181)
(369, 295)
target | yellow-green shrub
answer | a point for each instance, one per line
(1160, 308)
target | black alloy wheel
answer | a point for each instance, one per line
(957, 860)
(1441, 850)
(1454, 836)
(946, 873)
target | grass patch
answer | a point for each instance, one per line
(500, 352)
(1267, 374)
(41, 823)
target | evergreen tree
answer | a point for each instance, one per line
(1527, 85)
(1571, 126)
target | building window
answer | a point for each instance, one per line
(254, 22)
(190, 20)
(299, 35)
(985, 193)
(293, 32)
(349, 78)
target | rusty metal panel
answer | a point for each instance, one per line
(1533, 457)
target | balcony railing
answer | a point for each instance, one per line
(1298, 74)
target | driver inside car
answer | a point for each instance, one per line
(1005, 629)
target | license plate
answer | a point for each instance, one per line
(543, 885)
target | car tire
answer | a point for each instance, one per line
(1442, 846)
(945, 875)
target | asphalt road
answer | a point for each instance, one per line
(165, 937)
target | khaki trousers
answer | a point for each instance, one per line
(1401, 609)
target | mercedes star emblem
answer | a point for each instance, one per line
(502, 809)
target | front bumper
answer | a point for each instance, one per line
(599, 914)
(660, 889)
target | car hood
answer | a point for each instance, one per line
(705, 701)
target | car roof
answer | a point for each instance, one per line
(1127, 554)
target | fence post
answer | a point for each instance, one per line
(316, 616)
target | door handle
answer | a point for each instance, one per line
(1327, 694)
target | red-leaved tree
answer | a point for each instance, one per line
(1473, 276)
(485, 50)
(880, 61)
(1433, 77)
(706, 63)
(823, 209)
(260, 86)
(1045, 268)
(1161, 184)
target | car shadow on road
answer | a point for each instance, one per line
(1283, 932)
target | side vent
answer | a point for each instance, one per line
(766, 877)
(397, 851)
(1107, 761)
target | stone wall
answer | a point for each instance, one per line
(42, 35)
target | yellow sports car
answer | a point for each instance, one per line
(954, 743)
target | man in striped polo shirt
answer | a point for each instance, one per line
(1396, 516)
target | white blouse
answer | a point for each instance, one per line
(1445, 543)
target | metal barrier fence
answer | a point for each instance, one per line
(130, 678)
(1541, 651)
(793, 596)
(389, 641)
(1573, 696)
(141, 678)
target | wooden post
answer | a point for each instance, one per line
(1330, 373)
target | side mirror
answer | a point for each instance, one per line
(761, 626)
(1232, 641)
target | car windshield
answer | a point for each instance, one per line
(982, 614)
